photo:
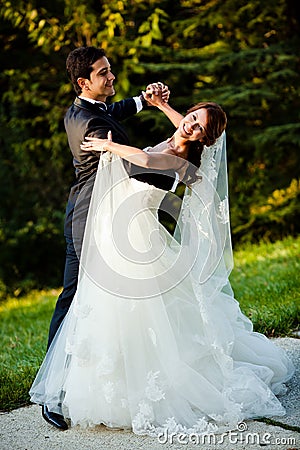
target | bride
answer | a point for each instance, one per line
(154, 340)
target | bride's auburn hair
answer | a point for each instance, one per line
(216, 124)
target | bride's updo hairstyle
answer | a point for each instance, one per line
(216, 124)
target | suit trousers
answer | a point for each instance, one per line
(69, 288)
(75, 220)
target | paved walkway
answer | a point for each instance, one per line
(24, 428)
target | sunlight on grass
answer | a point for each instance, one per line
(281, 250)
(32, 299)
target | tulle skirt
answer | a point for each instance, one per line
(162, 358)
(161, 366)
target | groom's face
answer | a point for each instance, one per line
(100, 85)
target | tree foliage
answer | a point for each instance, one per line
(241, 54)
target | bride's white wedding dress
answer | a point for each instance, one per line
(154, 339)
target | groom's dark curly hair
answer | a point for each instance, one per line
(79, 64)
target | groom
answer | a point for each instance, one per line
(90, 73)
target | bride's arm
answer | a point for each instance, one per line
(155, 98)
(134, 155)
(174, 116)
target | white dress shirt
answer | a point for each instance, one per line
(138, 102)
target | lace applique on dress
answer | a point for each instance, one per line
(224, 211)
(143, 423)
(203, 426)
(153, 391)
(201, 303)
(83, 352)
(145, 415)
(108, 391)
(142, 420)
(106, 365)
(186, 215)
(208, 162)
(82, 311)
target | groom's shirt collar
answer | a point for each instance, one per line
(138, 102)
(91, 100)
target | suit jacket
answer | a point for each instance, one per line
(84, 118)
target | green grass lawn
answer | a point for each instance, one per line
(24, 328)
(265, 281)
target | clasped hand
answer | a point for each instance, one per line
(156, 94)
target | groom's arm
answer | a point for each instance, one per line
(128, 107)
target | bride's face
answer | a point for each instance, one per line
(192, 126)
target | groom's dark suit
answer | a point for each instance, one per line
(83, 119)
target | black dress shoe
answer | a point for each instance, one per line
(54, 419)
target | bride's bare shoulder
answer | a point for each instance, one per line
(159, 148)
